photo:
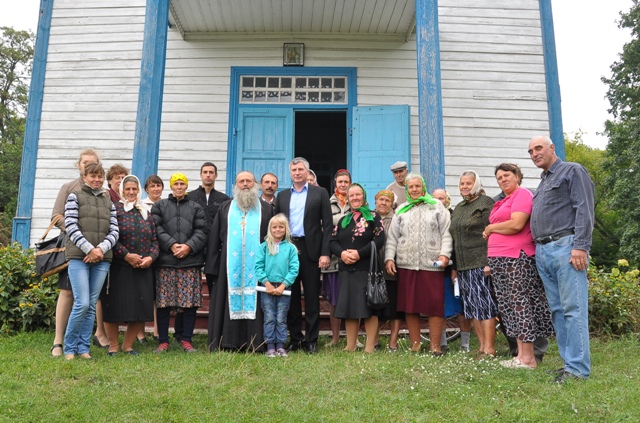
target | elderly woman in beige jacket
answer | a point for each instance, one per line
(418, 249)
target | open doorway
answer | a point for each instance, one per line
(321, 138)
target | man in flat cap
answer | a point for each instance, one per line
(400, 170)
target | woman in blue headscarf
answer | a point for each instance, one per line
(351, 242)
(418, 249)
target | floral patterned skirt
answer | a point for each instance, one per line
(178, 287)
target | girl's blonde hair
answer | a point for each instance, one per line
(271, 242)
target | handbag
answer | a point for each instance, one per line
(377, 296)
(50, 254)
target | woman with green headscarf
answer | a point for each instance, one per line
(418, 249)
(351, 242)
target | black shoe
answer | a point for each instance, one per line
(143, 340)
(555, 372)
(539, 358)
(311, 348)
(97, 343)
(294, 346)
(565, 376)
(112, 353)
(132, 352)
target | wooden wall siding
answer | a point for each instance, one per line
(493, 81)
(201, 69)
(90, 94)
(309, 16)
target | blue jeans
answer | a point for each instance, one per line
(567, 293)
(86, 283)
(275, 309)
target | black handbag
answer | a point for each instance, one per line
(377, 296)
(50, 254)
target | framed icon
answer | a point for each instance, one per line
(293, 54)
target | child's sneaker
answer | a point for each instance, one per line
(282, 352)
(163, 347)
(187, 347)
(271, 353)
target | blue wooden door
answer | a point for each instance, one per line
(380, 138)
(265, 142)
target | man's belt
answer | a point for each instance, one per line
(297, 238)
(547, 239)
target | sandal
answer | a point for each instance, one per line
(56, 346)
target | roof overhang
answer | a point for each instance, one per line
(336, 19)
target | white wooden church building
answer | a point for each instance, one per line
(164, 85)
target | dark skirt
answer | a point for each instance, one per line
(522, 303)
(390, 312)
(452, 305)
(127, 295)
(352, 300)
(330, 287)
(421, 292)
(63, 280)
(477, 298)
(232, 335)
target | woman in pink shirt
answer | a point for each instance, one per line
(518, 289)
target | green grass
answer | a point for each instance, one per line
(331, 386)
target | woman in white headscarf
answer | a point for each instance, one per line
(128, 296)
(468, 220)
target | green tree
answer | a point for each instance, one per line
(622, 157)
(16, 55)
(606, 243)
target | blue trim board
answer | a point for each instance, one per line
(22, 222)
(554, 100)
(234, 102)
(430, 123)
(146, 145)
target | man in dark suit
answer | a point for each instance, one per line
(309, 212)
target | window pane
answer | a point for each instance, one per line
(261, 82)
(247, 81)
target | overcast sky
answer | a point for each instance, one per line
(588, 41)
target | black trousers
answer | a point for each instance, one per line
(188, 318)
(309, 277)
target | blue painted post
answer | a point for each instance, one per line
(22, 222)
(554, 101)
(431, 128)
(154, 52)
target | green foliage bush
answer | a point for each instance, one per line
(27, 302)
(614, 300)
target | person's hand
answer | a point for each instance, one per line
(324, 262)
(134, 260)
(487, 271)
(444, 260)
(454, 275)
(270, 289)
(486, 232)
(146, 262)
(94, 256)
(181, 251)
(279, 290)
(579, 259)
(390, 266)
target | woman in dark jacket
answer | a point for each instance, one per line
(351, 241)
(181, 227)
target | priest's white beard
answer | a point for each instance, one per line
(246, 199)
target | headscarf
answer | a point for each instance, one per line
(385, 193)
(364, 209)
(476, 190)
(425, 198)
(447, 198)
(178, 177)
(315, 177)
(128, 205)
(342, 199)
